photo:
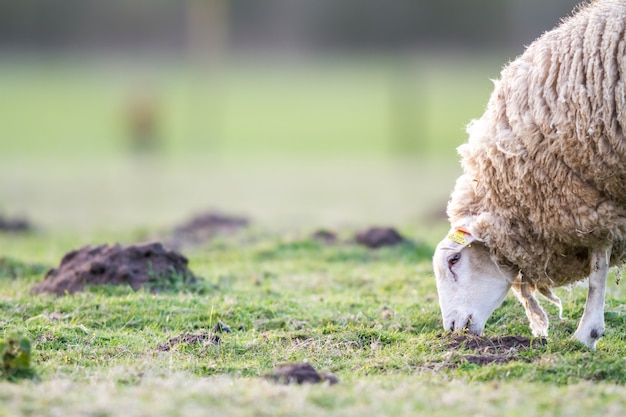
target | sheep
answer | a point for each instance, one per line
(541, 202)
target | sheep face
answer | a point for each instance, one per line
(470, 284)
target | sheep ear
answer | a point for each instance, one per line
(461, 236)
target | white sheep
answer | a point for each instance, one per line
(542, 200)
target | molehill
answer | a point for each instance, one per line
(145, 265)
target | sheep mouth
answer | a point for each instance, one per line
(465, 324)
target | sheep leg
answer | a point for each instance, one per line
(547, 292)
(537, 317)
(591, 326)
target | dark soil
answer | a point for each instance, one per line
(189, 339)
(499, 349)
(300, 373)
(487, 359)
(14, 225)
(222, 328)
(493, 344)
(377, 237)
(325, 236)
(146, 265)
(204, 227)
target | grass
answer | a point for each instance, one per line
(15, 353)
(364, 106)
(382, 396)
(371, 317)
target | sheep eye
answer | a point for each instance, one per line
(454, 259)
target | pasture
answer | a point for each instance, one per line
(320, 146)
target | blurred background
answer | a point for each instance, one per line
(138, 113)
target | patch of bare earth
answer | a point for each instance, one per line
(372, 237)
(14, 225)
(488, 350)
(145, 265)
(378, 237)
(204, 227)
(189, 339)
(300, 373)
(327, 237)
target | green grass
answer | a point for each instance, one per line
(370, 317)
(298, 150)
(363, 106)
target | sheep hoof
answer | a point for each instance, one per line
(540, 331)
(591, 338)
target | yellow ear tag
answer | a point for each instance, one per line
(458, 237)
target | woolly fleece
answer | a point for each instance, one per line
(545, 166)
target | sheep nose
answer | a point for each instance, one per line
(461, 323)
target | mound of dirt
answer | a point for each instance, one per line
(377, 237)
(204, 227)
(16, 225)
(325, 236)
(499, 349)
(300, 373)
(189, 339)
(145, 265)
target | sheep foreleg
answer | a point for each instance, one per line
(537, 317)
(591, 326)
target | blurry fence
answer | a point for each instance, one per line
(296, 25)
(399, 103)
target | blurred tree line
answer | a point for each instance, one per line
(286, 25)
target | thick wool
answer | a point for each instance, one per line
(545, 166)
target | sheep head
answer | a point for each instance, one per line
(470, 284)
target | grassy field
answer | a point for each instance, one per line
(362, 106)
(370, 317)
